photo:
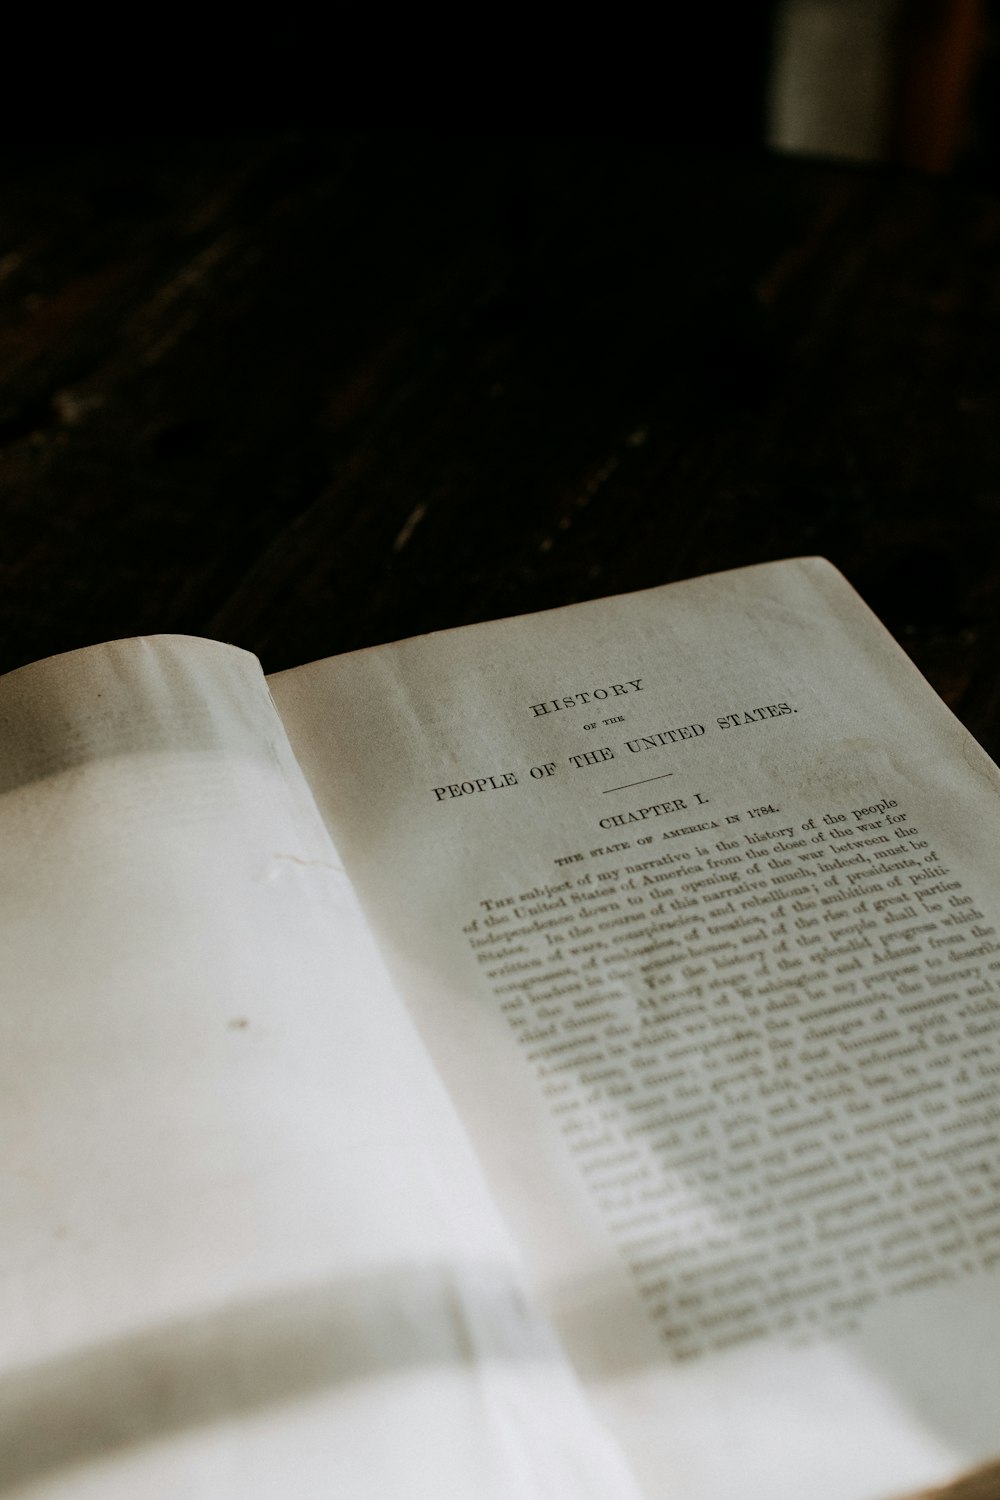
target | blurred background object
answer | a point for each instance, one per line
(877, 80)
(831, 77)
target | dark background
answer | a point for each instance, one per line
(327, 332)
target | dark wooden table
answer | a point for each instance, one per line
(310, 392)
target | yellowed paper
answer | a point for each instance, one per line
(246, 1251)
(692, 894)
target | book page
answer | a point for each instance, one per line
(693, 895)
(247, 1251)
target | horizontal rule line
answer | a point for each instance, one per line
(628, 784)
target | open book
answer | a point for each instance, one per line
(553, 1058)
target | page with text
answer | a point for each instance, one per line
(247, 1251)
(693, 895)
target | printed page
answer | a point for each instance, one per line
(247, 1251)
(693, 896)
